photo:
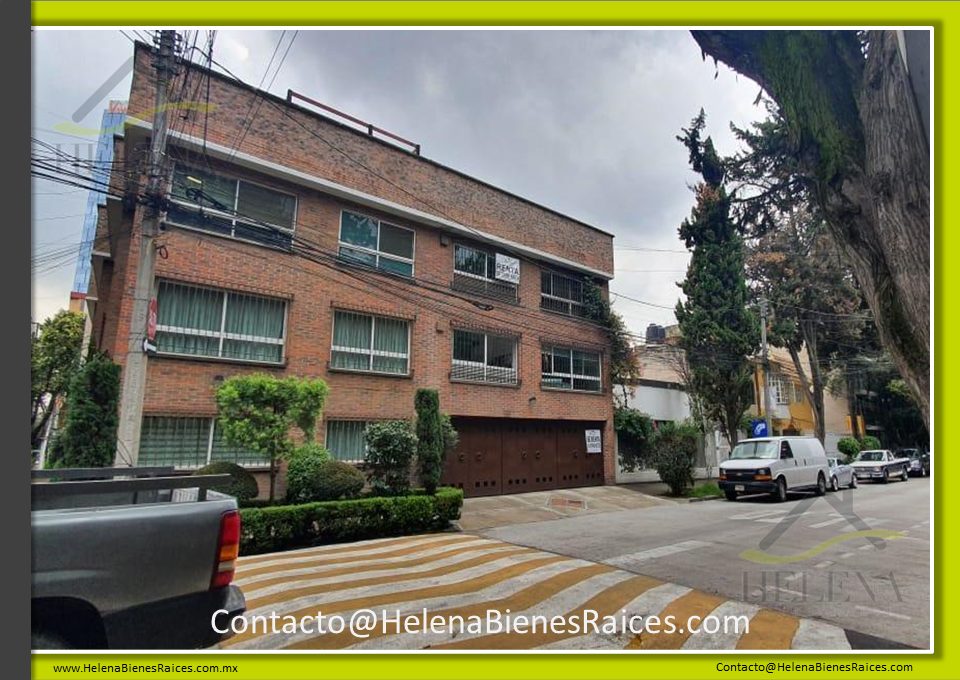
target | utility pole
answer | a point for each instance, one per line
(766, 366)
(135, 367)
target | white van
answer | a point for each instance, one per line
(775, 465)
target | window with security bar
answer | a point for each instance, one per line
(475, 271)
(189, 442)
(362, 342)
(483, 357)
(345, 440)
(209, 322)
(372, 242)
(564, 368)
(202, 199)
(560, 293)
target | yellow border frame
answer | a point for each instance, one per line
(944, 17)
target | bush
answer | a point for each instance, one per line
(450, 435)
(674, 450)
(390, 449)
(303, 469)
(869, 442)
(337, 481)
(634, 438)
(241, 485)
(89, 437)
(849, 447)
(282, 527)
(429, 438)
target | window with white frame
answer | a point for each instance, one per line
(345, 440)
(565, 368)
(202, 199)
(780, 389)
(375, 243)
(561, 293)
(484, 357)
(189, 442)
(208, 322)
(362, 342)
(475, 271)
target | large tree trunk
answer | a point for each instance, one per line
(864, 154)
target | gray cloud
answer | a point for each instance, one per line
(582, 121)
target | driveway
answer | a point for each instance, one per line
(457, 576)
(881, 588)
(539, 506)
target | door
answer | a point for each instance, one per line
(475, 465)
(789, 465)
(571, 456)
(593, 462)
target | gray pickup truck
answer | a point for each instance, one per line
(132, 558)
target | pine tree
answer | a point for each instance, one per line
(718, 332)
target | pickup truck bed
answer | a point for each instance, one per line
(128, 563)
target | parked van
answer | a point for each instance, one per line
(775, 465)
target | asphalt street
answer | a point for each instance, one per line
(880, 587)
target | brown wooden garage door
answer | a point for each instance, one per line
(497, 456)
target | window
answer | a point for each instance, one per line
(483, 357)
(369, 241)
(231, 207)
(475, 271)
(189, 443)
(559, 293)
(208, 322)
(570, 369)
(780, 389)
(370, 343)
(345, 440)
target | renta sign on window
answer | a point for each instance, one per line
(594, 441)
(508, 268)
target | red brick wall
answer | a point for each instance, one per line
(186, 386)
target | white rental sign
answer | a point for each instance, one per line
(508, 268)
(594, 441)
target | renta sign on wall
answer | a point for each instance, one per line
(594, 441)
(508, 268)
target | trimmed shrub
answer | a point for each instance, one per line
(634, 438)
(282, 527)
(241, 485)
(338, 481)
(303, 469)
(429, 438)
(390, 449)
(674, 451)
(848, 447)
(869, 442)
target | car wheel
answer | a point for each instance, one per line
(731, 495)
(886, 476)
(780, 495)
(821, 485)
(905, 475)
(834, 483)
(853, 481)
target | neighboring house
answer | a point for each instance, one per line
(319, 250)
(659, 393)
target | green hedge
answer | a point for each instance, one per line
(282, 527)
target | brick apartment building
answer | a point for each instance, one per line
(298, 245)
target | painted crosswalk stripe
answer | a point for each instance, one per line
(820, 636)
(740, 614)
(694, 603)
(662, 551)
(497, 589)
(606, 602)
(769, 629)
(322, 582)
(374, 544)
(311, 559)
(389, 594)
(758, 515)
(650, 603)
(826, 523)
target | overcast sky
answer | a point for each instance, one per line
(583, 122)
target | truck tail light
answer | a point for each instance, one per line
(228, 548)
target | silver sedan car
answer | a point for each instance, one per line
(841, 475)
